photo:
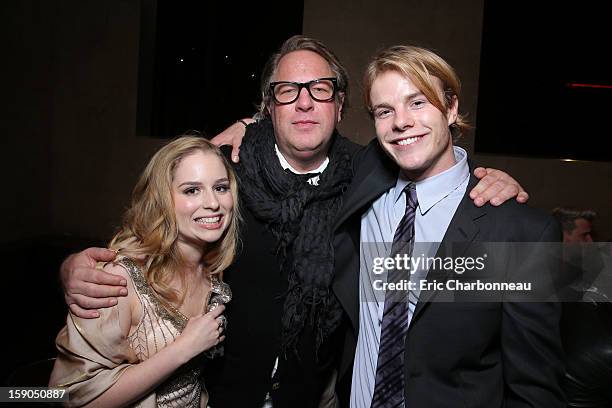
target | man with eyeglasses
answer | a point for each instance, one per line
(284, 322)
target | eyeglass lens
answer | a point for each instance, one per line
(321, 90)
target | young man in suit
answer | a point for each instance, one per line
(411, 186)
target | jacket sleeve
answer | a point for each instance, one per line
(531, 344)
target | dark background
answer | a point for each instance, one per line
(205, 61)
(532, 53)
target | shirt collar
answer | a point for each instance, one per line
(285, 164)
(432, 190)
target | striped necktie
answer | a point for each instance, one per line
(389, 385)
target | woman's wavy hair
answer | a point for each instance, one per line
(150, 231)
(422, 66)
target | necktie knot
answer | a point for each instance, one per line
(411, 197)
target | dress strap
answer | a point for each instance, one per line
(162, 308)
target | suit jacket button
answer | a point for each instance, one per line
(276, 386)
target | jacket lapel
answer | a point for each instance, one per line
(375, 175)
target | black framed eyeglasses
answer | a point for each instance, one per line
(321, 90)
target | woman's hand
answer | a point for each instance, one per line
(201, 333)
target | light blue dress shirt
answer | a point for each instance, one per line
(438, 197)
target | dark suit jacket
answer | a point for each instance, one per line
(504, 354)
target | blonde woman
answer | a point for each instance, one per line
(178, 236)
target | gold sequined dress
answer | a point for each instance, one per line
(93, 353)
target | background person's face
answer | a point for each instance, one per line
(580, 233)
(203, 202)
(304, 128)
(412, 131)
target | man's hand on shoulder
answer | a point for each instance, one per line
(496, 187)
(87, 288)
(233, 136)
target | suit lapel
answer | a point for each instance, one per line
(460, 234)
(375, 175)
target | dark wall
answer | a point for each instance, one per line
(69, 152)
(26, 119)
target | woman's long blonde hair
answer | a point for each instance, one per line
(150, 232)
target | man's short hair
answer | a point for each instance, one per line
(297, 43)
(568, 216)
(421, 66)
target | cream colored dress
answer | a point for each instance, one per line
(93, 353)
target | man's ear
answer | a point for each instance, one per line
(453, 109)
(340, 105)
(269, 108)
